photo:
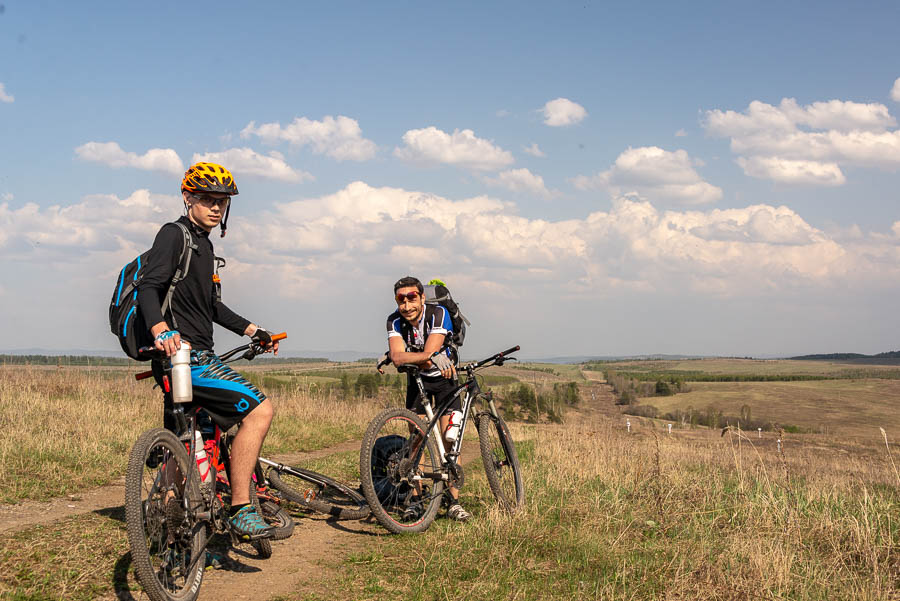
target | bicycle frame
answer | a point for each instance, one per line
(472, 390)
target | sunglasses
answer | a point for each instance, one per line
(210, 200)
(409, 296)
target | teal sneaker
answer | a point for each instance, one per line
(248, 525)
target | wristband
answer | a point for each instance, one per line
(163, 336)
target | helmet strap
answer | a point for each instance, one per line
(224, 224)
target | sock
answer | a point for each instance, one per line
(236, 508)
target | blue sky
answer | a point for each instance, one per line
(590, 179)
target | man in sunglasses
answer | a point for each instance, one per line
(194, 306)
(416, 334)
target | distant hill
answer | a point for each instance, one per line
(887, 358)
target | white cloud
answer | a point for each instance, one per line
(244, 161)
(4, 96)
(792, 171)
(808, 144)
(462, 148)
(654, 173)
(111, 154)
(563, 111)
(895, 91)
(680, 133)
(6, 196)
(534, 150)
(338, 137)
(519, 180)
(503, 113)
(371, 235)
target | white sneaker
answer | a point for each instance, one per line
(456, 512)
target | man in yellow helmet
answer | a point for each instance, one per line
(195, 305)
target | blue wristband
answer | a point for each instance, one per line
(163, 336)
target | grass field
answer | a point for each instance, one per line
(756, 366)
(610, 515)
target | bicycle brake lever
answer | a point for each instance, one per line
(249, 354)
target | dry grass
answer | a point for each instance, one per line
(72, 428)
(845, 407)
(754, 367)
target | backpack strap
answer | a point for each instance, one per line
(184, 265)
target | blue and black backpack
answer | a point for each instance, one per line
(125, 318)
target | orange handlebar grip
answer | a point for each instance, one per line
(277, 337)
(143, 375)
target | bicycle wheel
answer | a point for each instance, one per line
(404, 494)
(319, 493)
(275, 515)
(501, 463)
(166, 541)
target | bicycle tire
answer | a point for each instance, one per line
(276, 516)
(385, 478)
(501, 462)
(319, 493)
(163, 537)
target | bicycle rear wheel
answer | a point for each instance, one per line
(319, 493)
(166, 541)
(404, 494)
(501, 463)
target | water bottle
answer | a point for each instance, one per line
(453, 424)
(182, 392)
(202, 458)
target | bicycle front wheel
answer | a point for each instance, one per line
(319, 493)
(400, 472)
(501, 463)
(166, 540)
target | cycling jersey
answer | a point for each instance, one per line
(435, 320)
(195, 306)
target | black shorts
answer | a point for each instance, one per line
(437, 389)
(225, 394)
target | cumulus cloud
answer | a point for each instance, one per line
(519, 180)
(4, 96)
(244, 161)
(338, 137)
(793, 171)
(111, 154)
(895, 91)
(534, 150)
(462, 148)
(653, 173)
(808, 144)
(563, 111)
(680, 133)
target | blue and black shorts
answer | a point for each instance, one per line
(225, 394)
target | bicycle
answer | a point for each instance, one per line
(170, 511)
(404, 465)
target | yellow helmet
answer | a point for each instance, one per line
(209, 177)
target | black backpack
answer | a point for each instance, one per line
(125, 318)
(437, 293)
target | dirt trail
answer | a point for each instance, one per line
(111, 496)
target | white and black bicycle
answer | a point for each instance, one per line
(404, 465)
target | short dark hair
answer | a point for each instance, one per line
(407, 282)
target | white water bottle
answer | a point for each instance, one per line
(182, 391)
(453, 424)
(202, 458)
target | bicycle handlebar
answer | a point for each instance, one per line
(252, 350)
(498, 356)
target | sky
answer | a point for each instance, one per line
(588, 178)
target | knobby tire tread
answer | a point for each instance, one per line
(357, 508)
(488, 424)
(372, 434)
(134, 516)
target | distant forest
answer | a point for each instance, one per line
(889, 357)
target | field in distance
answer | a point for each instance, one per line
(833, 397)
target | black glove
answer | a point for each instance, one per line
(262, 337)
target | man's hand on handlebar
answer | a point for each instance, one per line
(263, 338)
(166, 340)
(443, 363)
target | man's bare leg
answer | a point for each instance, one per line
(245, 450)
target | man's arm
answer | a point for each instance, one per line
(433, 343)
(162, 261)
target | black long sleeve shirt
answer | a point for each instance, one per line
(194, 304)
